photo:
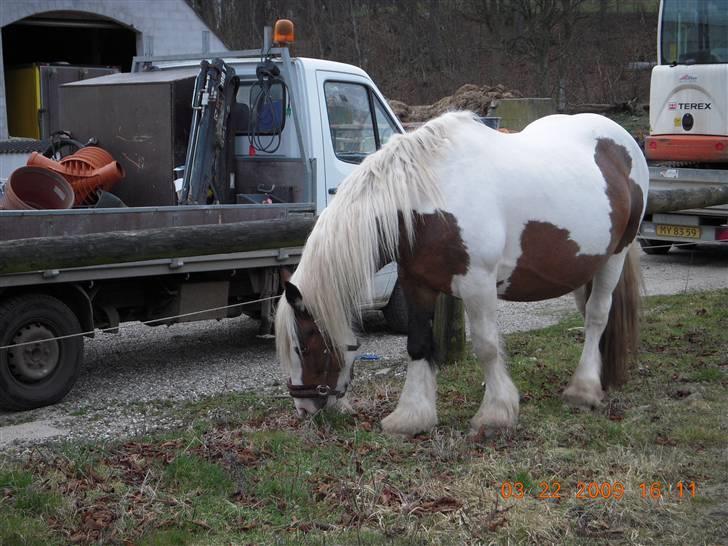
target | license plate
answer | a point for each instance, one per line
(686, 232)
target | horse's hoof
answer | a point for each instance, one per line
(485, 429)
(486, 432)
(584, 396)
(496, 415)
(402, 423)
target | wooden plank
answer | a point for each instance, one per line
(42, 253)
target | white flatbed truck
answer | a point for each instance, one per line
(70, 272)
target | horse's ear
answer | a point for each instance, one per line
(293, 295)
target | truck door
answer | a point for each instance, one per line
(355, 123)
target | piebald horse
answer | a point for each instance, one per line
(479, 214)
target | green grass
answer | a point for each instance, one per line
(637, 123)
(245, 470)
(24, 507)
(187, 473)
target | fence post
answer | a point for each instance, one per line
(449, 330)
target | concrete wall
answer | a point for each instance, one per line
(163, 27)
(515, 114)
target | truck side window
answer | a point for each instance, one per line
(358, 122)
(385, 127)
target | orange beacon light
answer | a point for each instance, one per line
(283, 32)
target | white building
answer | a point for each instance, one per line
(95, 33)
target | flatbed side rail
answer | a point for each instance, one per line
(149, 268)
(22, 224)
(678, 176)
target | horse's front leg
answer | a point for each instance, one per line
(416, 410)
(499, 408)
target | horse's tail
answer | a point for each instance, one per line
(620, 340)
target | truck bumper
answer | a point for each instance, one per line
(693, 148)
(683, 228)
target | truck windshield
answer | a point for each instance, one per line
(694, 32)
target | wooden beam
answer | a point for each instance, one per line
(449, 330)
(41, 253)
(681, 199)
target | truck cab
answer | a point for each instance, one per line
(343, 118)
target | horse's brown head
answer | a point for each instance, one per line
(320, 373)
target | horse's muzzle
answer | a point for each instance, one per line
(309, 406)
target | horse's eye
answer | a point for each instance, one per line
(302, 350)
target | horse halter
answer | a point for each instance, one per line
(319, 391)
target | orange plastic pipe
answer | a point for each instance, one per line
(89, 169)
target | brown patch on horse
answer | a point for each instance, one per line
(625, 196)
(310, 341)
(320, 363)
(439, 252)
(550, 264)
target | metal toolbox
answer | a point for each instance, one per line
(143, 120)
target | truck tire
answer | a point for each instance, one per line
(36, 375)
(395, 312)
(655, 246)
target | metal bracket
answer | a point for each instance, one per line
(113, 317)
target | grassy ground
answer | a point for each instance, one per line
(636, 123)
(246, 472)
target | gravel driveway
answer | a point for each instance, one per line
(132, 382)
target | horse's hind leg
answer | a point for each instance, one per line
(585, 387)
(416, 409)
(580, 299)
(499, 408)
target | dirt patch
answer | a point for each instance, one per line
(478, 99)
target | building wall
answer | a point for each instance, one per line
(164, 27)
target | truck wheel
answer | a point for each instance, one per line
(395, 312)
(655, 246)
(37, 374)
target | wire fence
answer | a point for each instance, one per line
(669, 245)
(156, 321)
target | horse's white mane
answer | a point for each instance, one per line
(361, 226)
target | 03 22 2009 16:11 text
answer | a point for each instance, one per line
(597, 490)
